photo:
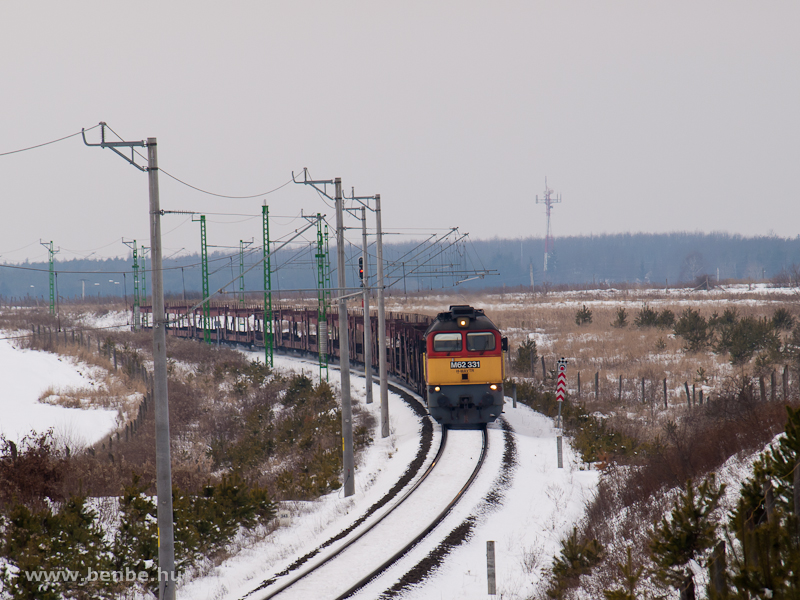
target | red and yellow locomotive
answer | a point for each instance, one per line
(464, 367)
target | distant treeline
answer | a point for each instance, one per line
(642, 258)
(603, 259)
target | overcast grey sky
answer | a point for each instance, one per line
(644, 116)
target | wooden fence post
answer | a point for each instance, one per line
(597, 385)
(773, 387)
(763, 388)
(718, 569)
(786, 383)
(687, 588)
(665, 394)
(769, 502)
(544, 372)
(796, 491)
(688, 397)
(694, 395)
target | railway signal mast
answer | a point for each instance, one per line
(548, 201)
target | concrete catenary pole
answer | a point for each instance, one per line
(381, 325)
(166, 545)
(344, 352)
(367, 318)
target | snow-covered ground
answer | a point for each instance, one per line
(737, 294)
(26, 375)
(105, 319)
(541, 504)
(312, 523)
(536, 508)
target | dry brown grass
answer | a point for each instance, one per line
(597, 347)
(683, 442)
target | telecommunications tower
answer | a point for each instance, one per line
(548, 201)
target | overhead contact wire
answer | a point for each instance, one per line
(66, 137)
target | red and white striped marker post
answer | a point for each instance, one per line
(561, 388)
(561, 392)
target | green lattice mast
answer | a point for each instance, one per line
(268, 332)
(322, 300)
(137, 317)
(241, 271)
(51, 254)
(145, 317)
(204, 276)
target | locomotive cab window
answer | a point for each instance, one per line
(480, 342)
(447, 342)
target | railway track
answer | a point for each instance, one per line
(381, 541)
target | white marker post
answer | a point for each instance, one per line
(490, 568)
(561, 391)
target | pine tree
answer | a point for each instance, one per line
(135, 544)
(693, 328)
(765, 522)
(782, 319)
(66, 541)
(630, 580)
(577, 557)
(622, 318)
(647, 317)
(666, 319)
(583, 316)
(526, 356)
(689, 532)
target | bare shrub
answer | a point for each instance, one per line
(533, 558)
(32, 471)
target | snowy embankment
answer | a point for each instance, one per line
(540, 504)
(26, 375)
(309, 524)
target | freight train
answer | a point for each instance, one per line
(455, 361)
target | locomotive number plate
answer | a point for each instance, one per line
(465, 364)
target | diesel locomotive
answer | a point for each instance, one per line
(464, 367)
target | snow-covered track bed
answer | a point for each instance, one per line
(385, 539)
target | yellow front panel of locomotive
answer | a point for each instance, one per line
(451, 371)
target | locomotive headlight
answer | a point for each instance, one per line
(493, 387)
(437, 389)
(463, 322)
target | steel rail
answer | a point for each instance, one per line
(360, 534)
(400, 553)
